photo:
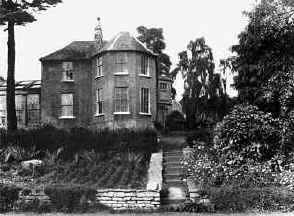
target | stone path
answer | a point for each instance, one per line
(176, 189)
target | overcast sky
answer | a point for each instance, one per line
(219, 21)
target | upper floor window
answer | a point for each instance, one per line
(121, 100)
(121, 60)
(99, 101)
(67, 105)
(145, 69)
(99, 71)
(163, 86)
(67, 71)
(145, 101)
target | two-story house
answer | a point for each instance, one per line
(98, 84)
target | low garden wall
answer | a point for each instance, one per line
(122, 199)
(116, 199)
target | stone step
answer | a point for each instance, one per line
(172, 153)
(173, 172)
(173, 181)
(172, 164)
(177, 168)
(173, 158)
(173, 176)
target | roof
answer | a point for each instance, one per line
(124, 41)
(22, 85)
(74, 51)
(79, 50)
(165, 77)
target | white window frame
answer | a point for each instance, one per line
(99, 99)
(121, 112)
(33, 108)
(63, 105)
(3, 114)
(67, 68)
(142, 112)
(163, 84)
(121, 60)
(99, 67)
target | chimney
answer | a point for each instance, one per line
(98, 34)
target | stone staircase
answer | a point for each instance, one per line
(175, 187)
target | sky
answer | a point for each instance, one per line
(218, 21)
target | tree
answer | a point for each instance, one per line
(12, 13)
(202, 85)
(264, 61)
(265, 49)
(154, 40)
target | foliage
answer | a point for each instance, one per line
(68, 143)
(264, 52)
(238, 199)
(201, 135)
(17, 13)
(8, 196)
(247, 134)
(100, 170)
(175, 121)
(70, 198)
(154, 40)
(204, 93)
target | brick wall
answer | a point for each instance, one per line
(53, 87)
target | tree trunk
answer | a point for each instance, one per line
(10, 91)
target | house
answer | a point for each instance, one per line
(27, 103)
(104, 84)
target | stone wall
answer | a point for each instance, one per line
(116, 199)
(123, 199)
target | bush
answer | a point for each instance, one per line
(48, 138)
(202, 135)
(175, 121)
(237, 199)
(71, 198)
(247, 134)
(8, 196)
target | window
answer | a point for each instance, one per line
(67, 105)
(20, 109)
(145, 101)
(99, 101)
(2, 111)
(144, 65)
(163, 86)
(121, 100)
(33, 109)
(121, 61)
(67, 71)
(99, 67)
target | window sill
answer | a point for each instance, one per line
(145, 114)
(145, 75)
(67, 117)
(98, 77)
(121, 73)
(99, 114)
(121, 113)
(69, 81)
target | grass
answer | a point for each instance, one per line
(155, 214)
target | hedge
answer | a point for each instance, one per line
(8, 196)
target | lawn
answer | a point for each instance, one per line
(156, 214)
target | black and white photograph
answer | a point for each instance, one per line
(155, 107)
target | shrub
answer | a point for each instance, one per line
(47, 138)
(237, 199)
(247, 133)
(70, 198)
(175, 121)
(8, 196)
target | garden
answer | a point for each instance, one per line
(73, 165)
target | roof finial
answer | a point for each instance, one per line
(98, 33)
